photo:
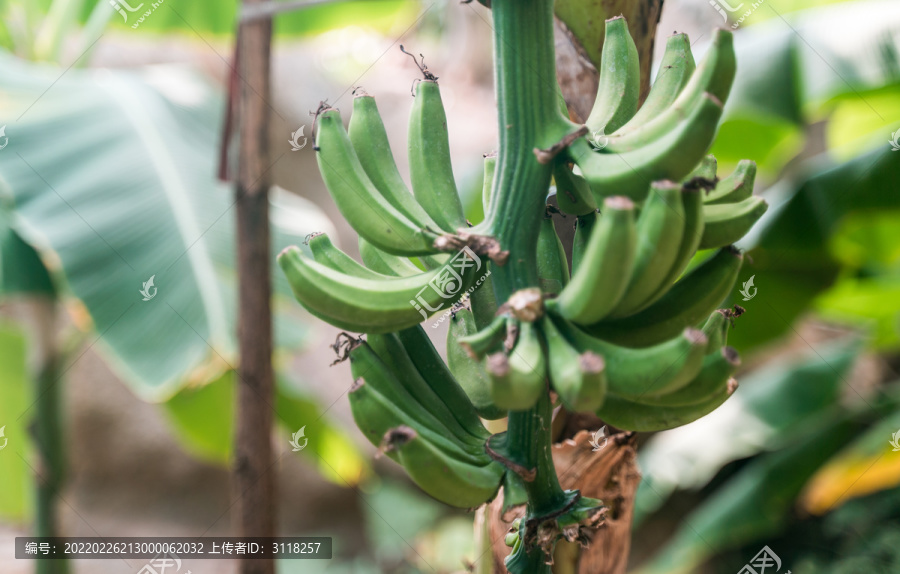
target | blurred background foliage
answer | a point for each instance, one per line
(800, 459)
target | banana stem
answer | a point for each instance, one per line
(529, 118)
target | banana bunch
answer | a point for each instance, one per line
(665, 138)
(391, 292)
(406, 402)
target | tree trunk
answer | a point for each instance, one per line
(253, 479)
(610, 474)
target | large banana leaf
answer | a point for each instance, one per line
(112, 176)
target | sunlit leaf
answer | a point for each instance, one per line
(15, 444)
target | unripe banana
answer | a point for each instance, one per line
(364, 208)
(692, 201)
(675, 70)
(660, 228)
(583, 227)
(573, 194)
(429, 158)
(369, 139)
(326, 253)
(716, 329)
(470, 373)
(385, 263)
(620, 79)
(579, 378)
(486, 340)
(691, 299)
(381, 401)
(392, 351)
(600, 280)
(633, 416)
(364, 305)
(710, 382)
(636, 373)
(518, 380)
(726, 223)
(552, 266)
(444, 477)
(705, 170)
(736, 187)
(714, 75)
(668, 156)
(431, 367)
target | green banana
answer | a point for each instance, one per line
(660, 228)
(394, 353)
(600, 280)
(468, 371)
(633, 416)
(486, 340)
(431, 367)
(583, 227)
(385, 263)
(736, 187)
(490, 164)
(573, 195)
(620, 80)
(517, 381)
(692, 202)
(669, 156)
(579, 378)
(552, 267)
(675, 70)
(709, 383)
(652, 371)
(691, 299)
(380, 400)
(369, 139)
(714, 75)
(367, 211)
(326, 253)
(444, 477)
(716, 328)
(429, 159)
(705, 170)
(726, 223)
(363, 305)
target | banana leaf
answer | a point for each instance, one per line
(112, 176)
(771, 403)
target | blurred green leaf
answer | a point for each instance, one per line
(395, 517)
(135, 199)
(21, 269)
(202, 421)
(756, 502)
(771, 402)
(15, 444)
